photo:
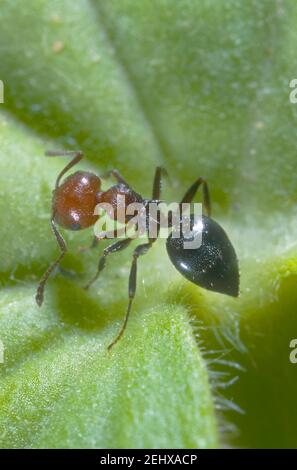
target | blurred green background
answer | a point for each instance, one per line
(202, 88)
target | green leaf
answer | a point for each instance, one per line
(201, 88)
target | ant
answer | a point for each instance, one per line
(213, 265)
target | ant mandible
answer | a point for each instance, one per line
(213, 265)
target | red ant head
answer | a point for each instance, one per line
(74, 201)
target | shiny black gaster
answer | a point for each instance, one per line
(213, 265)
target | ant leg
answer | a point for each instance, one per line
(139, 251)
(94, 244)
(116, 174)
(117, 246)
(160, 171)
(76, 154)
(190, 194)
(43, 280)
(104, 236)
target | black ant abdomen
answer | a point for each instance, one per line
(213, 265)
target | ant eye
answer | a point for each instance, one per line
(213, 265)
